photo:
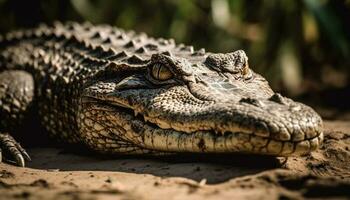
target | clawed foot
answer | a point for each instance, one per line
(12, 150)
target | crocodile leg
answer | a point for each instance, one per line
(16, 96)
(14, 149)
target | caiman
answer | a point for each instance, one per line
(121, 92)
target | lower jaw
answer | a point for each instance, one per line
(206, 141)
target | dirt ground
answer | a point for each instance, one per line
(60, 174)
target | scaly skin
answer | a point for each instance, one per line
(121, 92)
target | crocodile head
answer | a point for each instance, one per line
(210, 103)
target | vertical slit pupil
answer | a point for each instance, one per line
(158, 72)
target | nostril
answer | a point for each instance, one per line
(278, 98)
(252, 101)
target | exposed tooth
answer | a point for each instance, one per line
(135, 113)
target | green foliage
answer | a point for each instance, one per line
(290, 42)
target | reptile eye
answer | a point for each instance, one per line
(160, 72)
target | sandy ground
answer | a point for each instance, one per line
(58, 174)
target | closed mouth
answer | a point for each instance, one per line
(152, 136)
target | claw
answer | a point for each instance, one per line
(23, 152)
(26, 156)
(19, 160)
(14, 149)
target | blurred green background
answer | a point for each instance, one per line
(302, 47)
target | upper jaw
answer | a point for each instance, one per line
(280, 123)
(148, 130)
(277, 117)
(194, 107)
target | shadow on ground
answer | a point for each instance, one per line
(215, 168)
